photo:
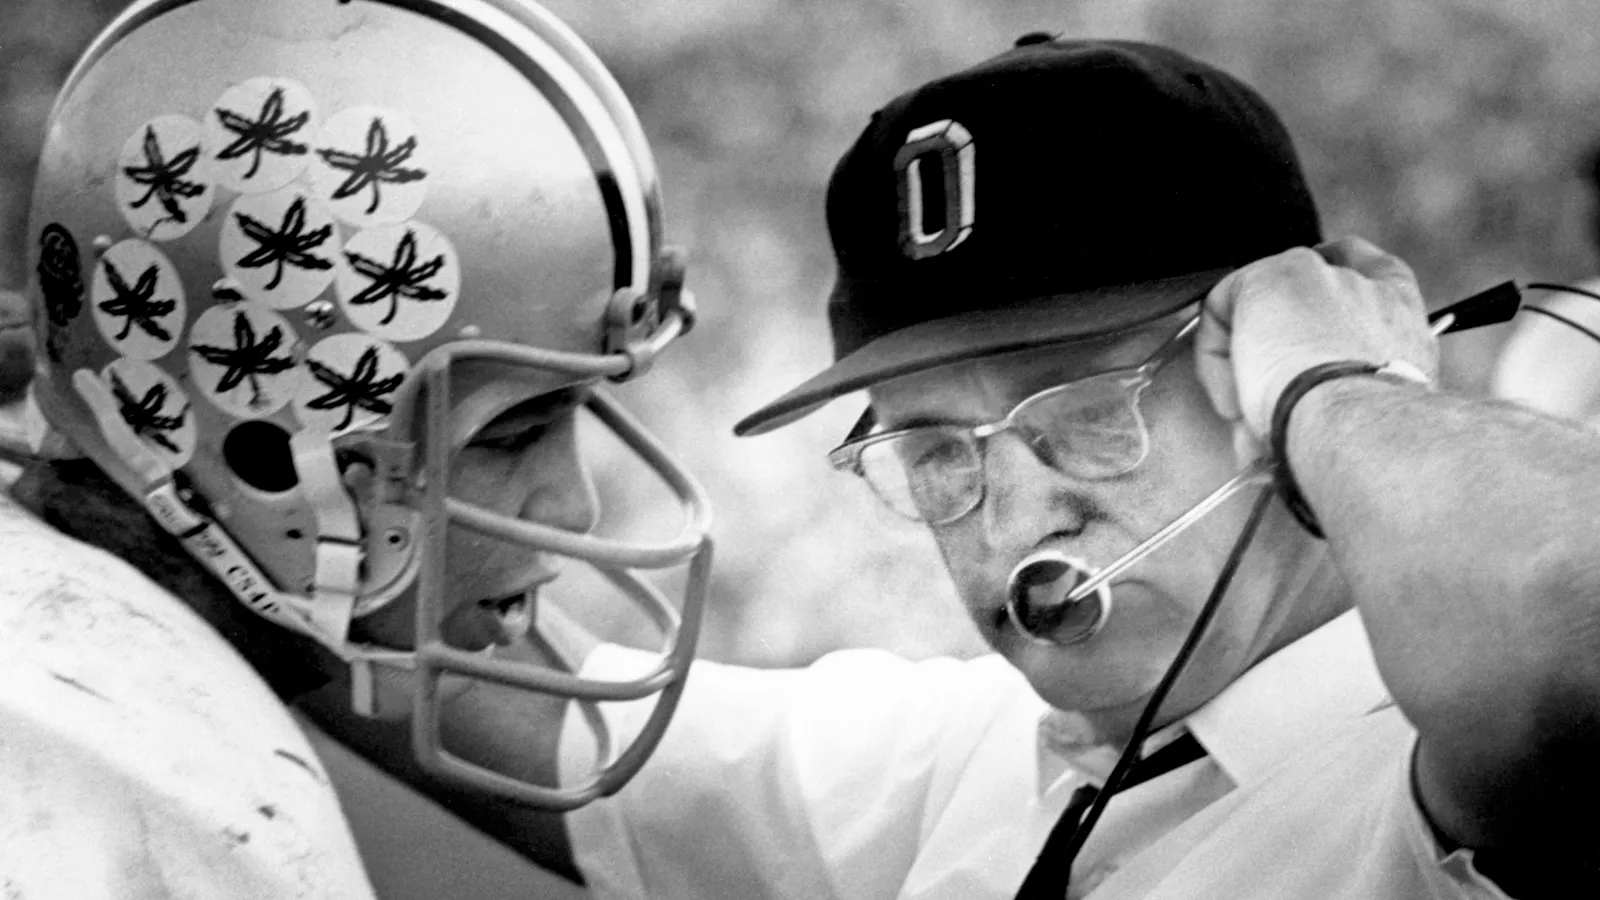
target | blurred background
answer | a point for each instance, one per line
(1448, 132)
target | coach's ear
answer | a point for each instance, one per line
(16, 346)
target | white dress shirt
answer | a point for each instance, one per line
(867, 776)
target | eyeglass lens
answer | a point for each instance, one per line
(927, 474)
(1089, 429)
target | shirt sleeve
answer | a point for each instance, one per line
(818, 782)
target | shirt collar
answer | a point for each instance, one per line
(1320, 680)
(1325, 677)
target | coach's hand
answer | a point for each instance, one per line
(1271, 320)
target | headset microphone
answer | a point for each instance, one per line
(1040, 602)
(1059, 599)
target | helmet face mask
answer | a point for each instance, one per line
(319, 253)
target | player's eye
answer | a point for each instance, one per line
(523, 425)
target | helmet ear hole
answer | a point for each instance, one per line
(258, 453)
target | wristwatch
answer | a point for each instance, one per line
(1396, 370)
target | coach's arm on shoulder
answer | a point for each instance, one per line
(516, 733)
(1469, 533)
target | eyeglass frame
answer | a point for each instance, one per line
(847, 456)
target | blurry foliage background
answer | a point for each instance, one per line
(1448, 132)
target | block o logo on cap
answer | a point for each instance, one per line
(930, 225)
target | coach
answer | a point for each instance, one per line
(1084, 284)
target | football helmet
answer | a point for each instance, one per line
(263, 233)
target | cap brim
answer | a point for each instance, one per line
(1034, 323)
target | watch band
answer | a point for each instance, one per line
(1298, 387)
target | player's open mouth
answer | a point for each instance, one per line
(512, 614)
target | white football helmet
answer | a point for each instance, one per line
(262, 234)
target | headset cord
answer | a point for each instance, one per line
(1052, 870)
(1566, 289)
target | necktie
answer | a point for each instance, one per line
(1052, 871)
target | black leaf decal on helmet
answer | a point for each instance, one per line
(136, 304)
(61, 284)
(401, 277)
(284, 245)
(377, 165)
(145, 414)
(164, 178)
(267, 133)
(362, 388)
(248, 358)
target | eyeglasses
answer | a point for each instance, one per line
(1090, 428)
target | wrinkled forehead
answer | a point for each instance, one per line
(958, 390)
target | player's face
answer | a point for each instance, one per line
(517, 455)
(1029, 506)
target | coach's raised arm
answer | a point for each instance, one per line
(1464, 528)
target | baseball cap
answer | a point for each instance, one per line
(1062, 190)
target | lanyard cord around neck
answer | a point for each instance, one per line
(1051, 872)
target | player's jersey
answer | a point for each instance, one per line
(140, 756)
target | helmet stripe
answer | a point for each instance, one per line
(560, 96)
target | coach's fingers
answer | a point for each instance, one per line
(1370, 260)
(1213, 342)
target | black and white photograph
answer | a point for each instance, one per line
(799, 449)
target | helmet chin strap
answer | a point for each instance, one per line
(153, 486)
(338, 535)
(325, 615)
(381, 679)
